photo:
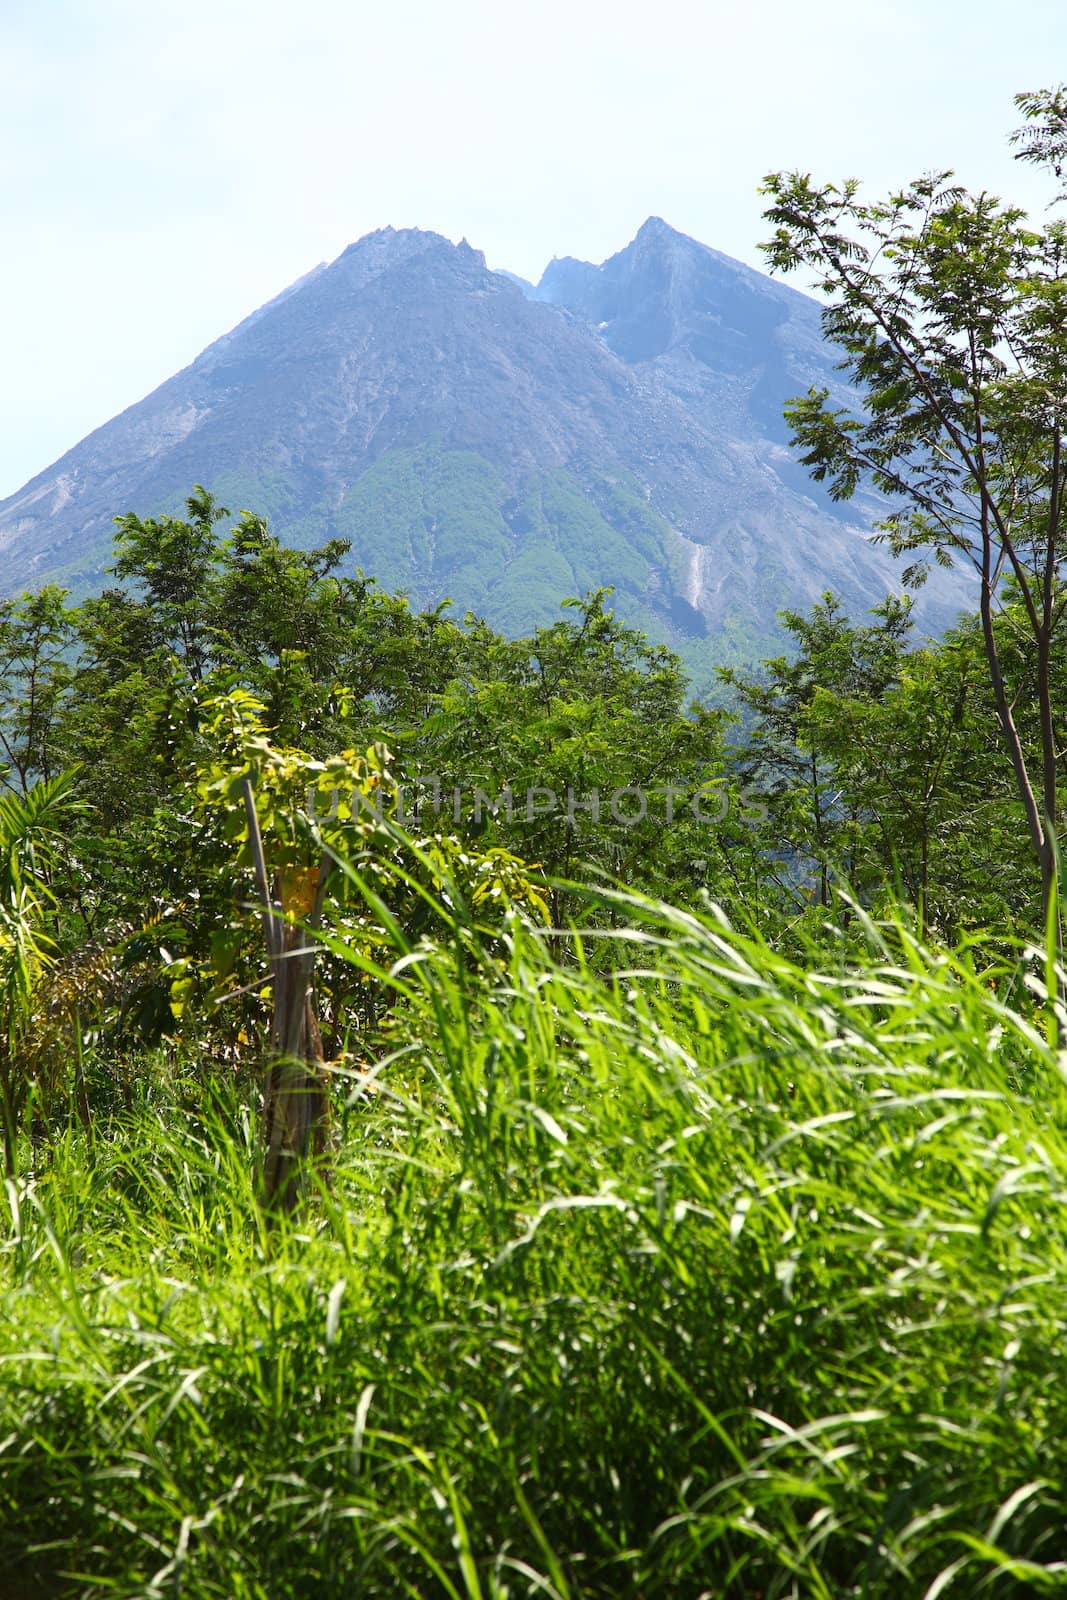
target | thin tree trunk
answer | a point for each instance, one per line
(296, 1106)
(1037, 826)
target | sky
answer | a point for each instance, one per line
(166, 168)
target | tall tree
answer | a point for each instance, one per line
(36, 638)
(951, 313)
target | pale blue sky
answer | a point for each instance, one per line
(166, 167)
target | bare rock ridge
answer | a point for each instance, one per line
(501, 445)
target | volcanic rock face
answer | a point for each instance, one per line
(501, 446)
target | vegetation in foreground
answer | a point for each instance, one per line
(716, 1276)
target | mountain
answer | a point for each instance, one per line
(499, 444)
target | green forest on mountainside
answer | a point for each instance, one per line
(479, 1123)
(429, 519)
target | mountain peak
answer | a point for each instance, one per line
(387, 248)
(656, 244)
(382, 251)
(579, 285)
(392, 240)
(656, 228)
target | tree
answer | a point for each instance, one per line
(173, 561)
(582, 729)
(322, 843)
(790, 755)
(36, 637)
(917, 815)
(951, 313)
(31, 831)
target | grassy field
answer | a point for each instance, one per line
(717, 1277)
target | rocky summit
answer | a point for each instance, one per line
(500, 445)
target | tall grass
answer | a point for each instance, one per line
(717, 1277)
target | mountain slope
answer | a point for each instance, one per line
(475, 440)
